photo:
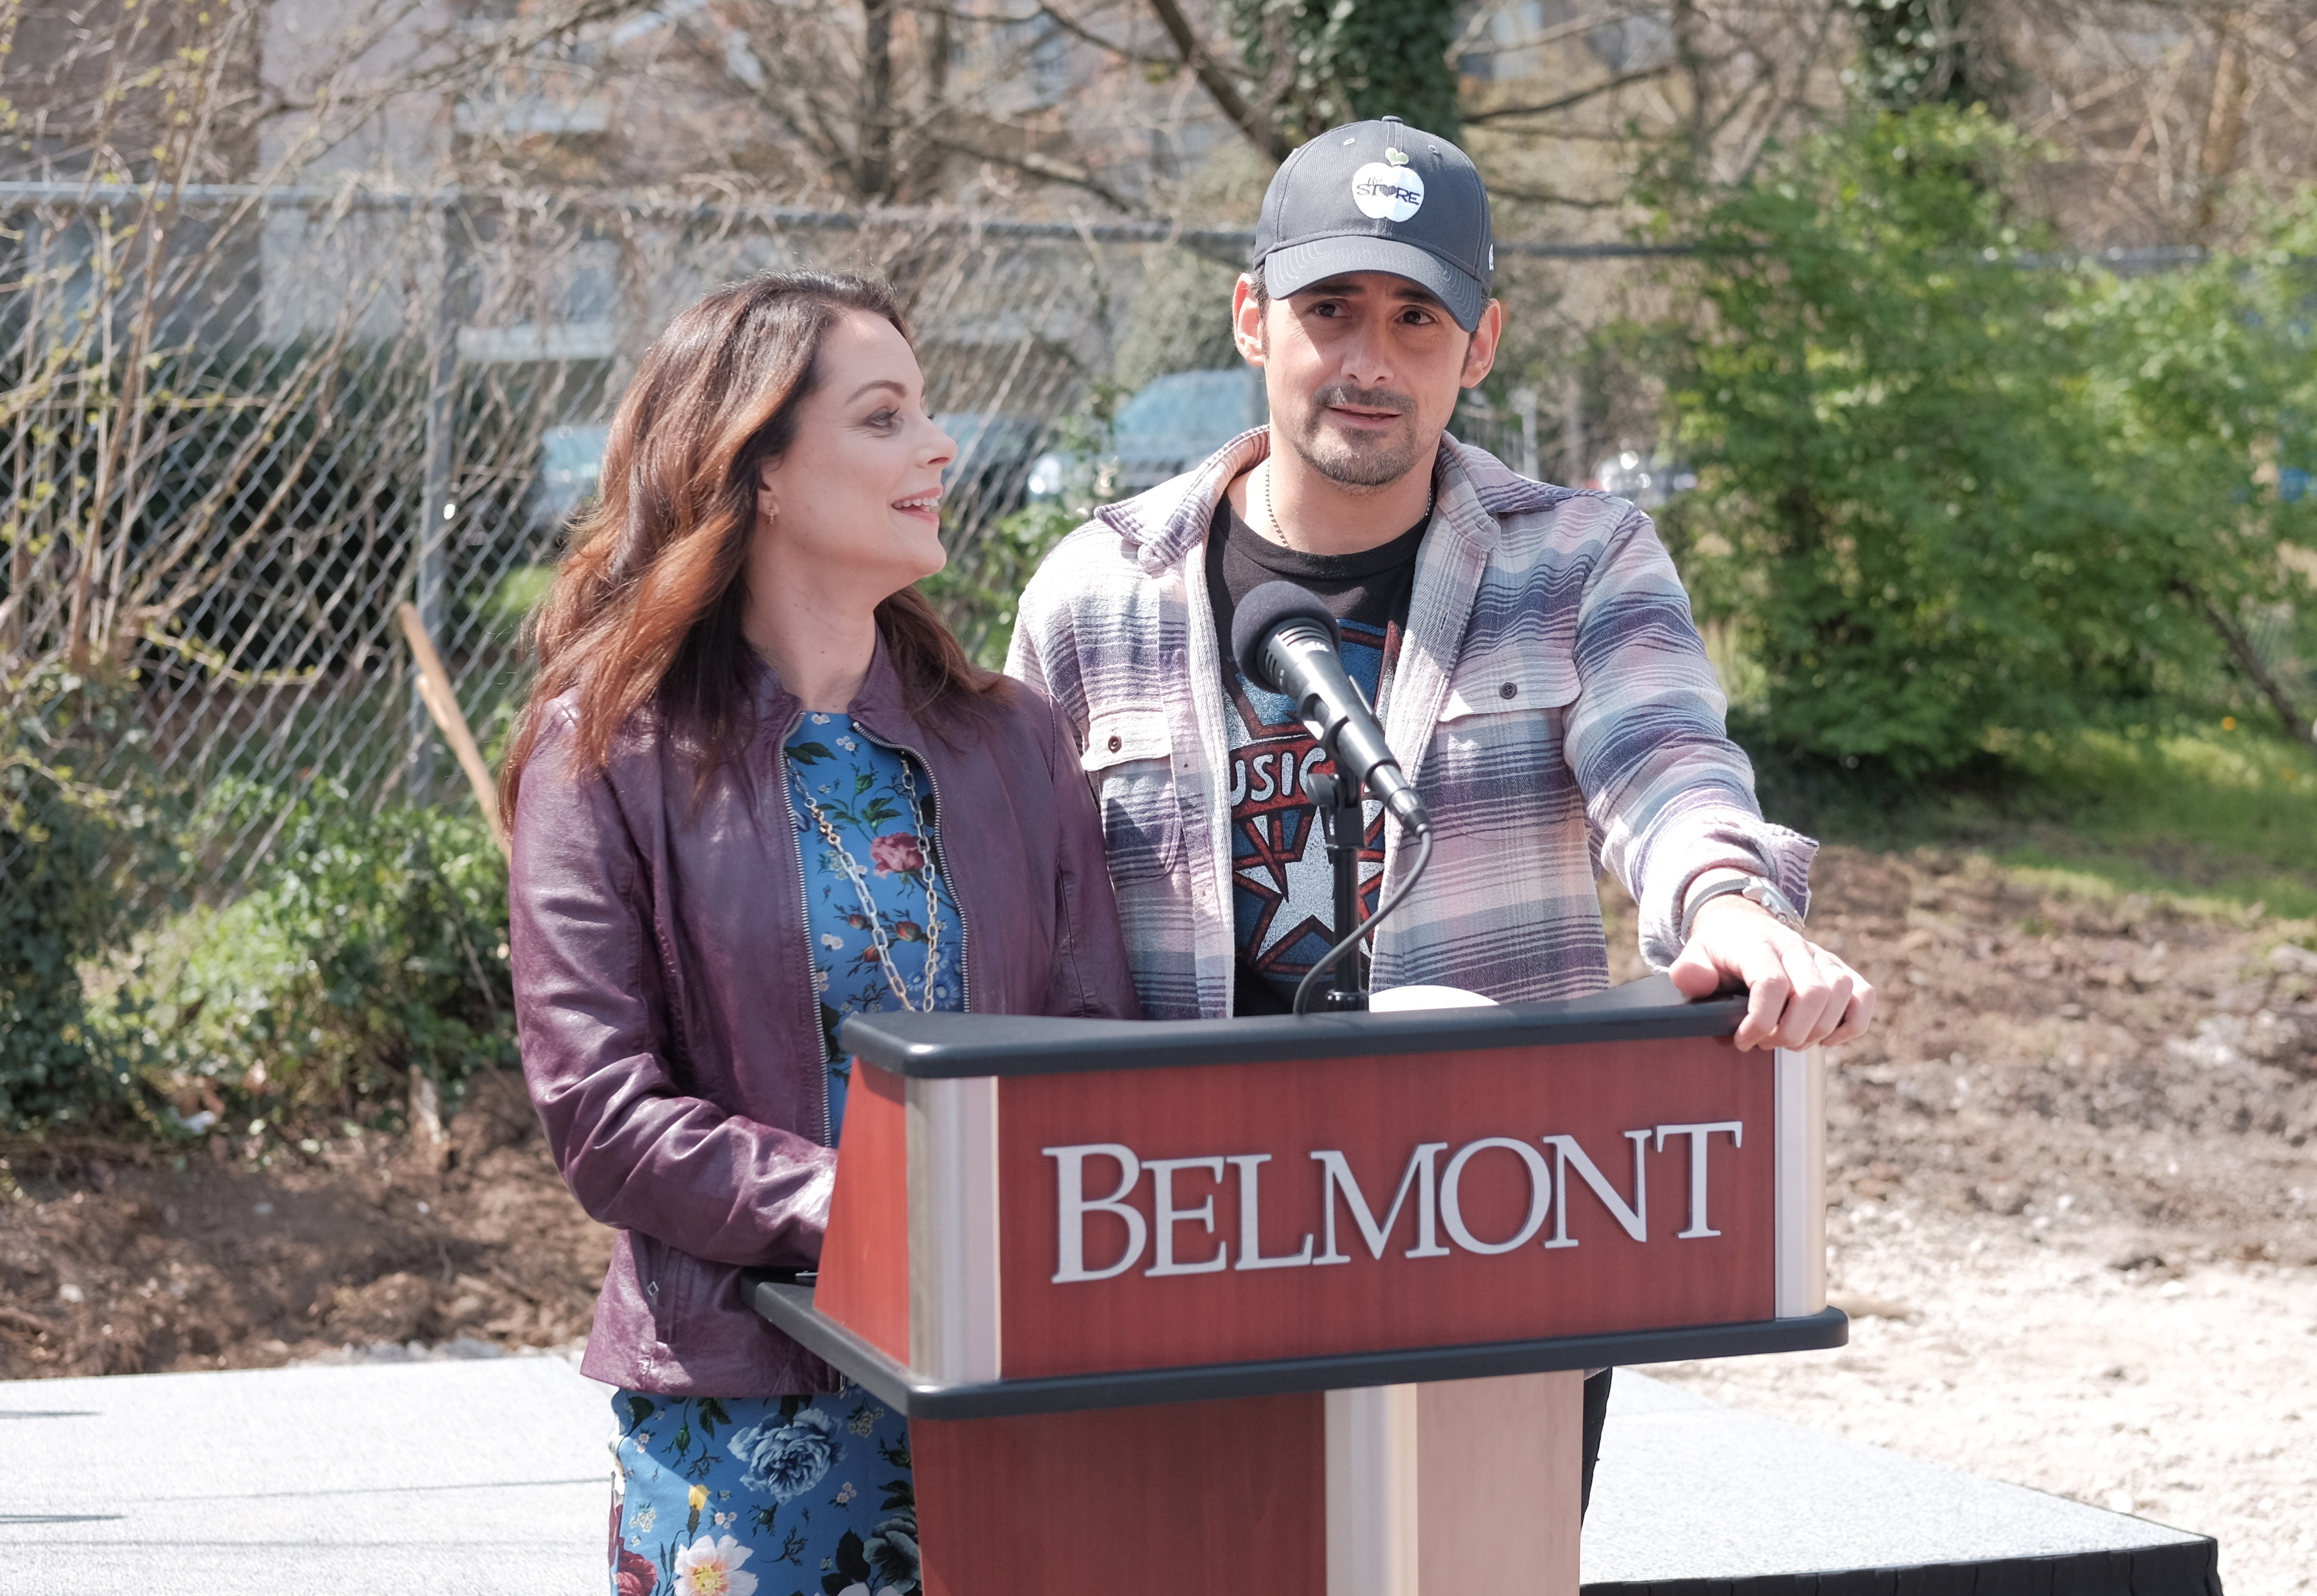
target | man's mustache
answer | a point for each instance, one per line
(1364, 398)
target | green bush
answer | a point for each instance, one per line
(88, 848)
(1948, 489)
(377, 947)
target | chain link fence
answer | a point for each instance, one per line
(243, 425)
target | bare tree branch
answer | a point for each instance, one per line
(1213, 77)
(1577, 97)
(1125, 52)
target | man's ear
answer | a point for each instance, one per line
(1480, 352)
(1246, 322)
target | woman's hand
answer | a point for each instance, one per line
(1798, 995)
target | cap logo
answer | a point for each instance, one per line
(1388, 192)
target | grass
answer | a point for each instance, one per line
(2219, 813)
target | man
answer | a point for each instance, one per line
(1529, 649)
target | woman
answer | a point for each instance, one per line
(758, 786)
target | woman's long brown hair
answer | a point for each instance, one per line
(646, 611)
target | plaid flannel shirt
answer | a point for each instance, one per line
(1550, 700)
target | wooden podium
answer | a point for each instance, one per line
(1298, 1306)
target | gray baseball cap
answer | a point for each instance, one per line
(1379, 196)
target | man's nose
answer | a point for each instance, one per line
(1364, 358)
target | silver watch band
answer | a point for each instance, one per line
(1754, 888)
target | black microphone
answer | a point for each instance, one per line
(1285, 641)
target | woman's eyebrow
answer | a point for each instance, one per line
(879, 382)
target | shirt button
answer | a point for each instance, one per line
(1508, 690)
(1114, 744)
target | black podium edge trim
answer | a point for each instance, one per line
(2189, 1566)
(952, 1046)
(788, 1305)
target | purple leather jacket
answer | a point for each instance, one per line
(671, 1033)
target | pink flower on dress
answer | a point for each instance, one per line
(897, 852)
(637, 1575)
(710, 1566)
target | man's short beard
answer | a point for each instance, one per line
(1348, 463)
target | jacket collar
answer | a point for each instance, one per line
(879, 707)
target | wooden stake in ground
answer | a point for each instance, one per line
(442, 704)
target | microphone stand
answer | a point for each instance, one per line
(1343, 826)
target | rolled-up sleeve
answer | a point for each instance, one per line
(591, 1004)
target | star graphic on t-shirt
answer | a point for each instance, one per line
(1310, 883)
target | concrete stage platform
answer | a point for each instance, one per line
(1692, 1498)
(490, 1476)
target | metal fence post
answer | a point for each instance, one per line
(436, 506)
(1572, 430)
(1525, 406)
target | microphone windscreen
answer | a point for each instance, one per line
(1259, 615)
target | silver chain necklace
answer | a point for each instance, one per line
(860, 879)
(1279, 532)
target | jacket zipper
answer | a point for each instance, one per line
(804, 915)
(932, 784)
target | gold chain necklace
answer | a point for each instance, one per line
(860, 879)
(1278, 533)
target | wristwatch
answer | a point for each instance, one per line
(1754, 888)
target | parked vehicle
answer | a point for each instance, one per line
(1167, 428)
(996, 451)
(1646, 480)
(570, 464)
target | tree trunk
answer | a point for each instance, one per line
(873, 167)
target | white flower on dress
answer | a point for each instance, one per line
(831, 942)
(820, 720)
(710, 1566)
(848, 745)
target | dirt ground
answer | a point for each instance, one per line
(2073, 1193)
(2072, 1184)
(113, 1261)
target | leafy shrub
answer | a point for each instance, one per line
(87, 846)
(1948, 488)
(377, 947)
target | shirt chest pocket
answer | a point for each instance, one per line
(1502, 730)
(1130, 760)
(1507, 681)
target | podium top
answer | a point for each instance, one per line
(949, 1046)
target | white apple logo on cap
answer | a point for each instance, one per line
(1388, 189)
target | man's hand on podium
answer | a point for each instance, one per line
(1799, 994)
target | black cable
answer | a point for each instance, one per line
(1334, 954)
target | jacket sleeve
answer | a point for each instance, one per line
(591, 1005)
(1669, 795)
(1092, 977)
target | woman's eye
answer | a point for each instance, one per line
(883, 420)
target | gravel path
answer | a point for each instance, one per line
(2184, 1391)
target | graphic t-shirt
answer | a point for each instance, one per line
(880, 803)
(1283, 888)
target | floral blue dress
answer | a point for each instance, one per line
(807, 1495)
